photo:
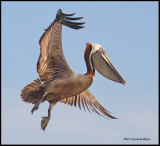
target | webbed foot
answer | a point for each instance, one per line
(44, 122)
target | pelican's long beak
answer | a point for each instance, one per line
(103, 65)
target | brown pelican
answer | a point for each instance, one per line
(60, 83)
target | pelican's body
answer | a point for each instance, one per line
(70, 86)
(61, 84)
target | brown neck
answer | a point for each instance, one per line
(90, 72)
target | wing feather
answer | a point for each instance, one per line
(75, 100)
(79, 103)
(82, 101)
(87, 99)
(52, 63)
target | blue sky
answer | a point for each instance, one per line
(128, 32)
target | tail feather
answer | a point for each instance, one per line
(33, 92)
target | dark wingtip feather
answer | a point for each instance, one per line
(68, 14)
(75, 18)
(64, 19)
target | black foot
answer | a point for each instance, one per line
(44, 122)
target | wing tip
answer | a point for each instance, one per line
(64, 20)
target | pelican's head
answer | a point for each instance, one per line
(96, 58)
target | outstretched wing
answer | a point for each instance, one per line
(52, 63)
(87, 100)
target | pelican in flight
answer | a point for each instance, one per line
(58, 83)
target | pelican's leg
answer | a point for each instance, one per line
(45, 120)
(38, 103)
(35, 107)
